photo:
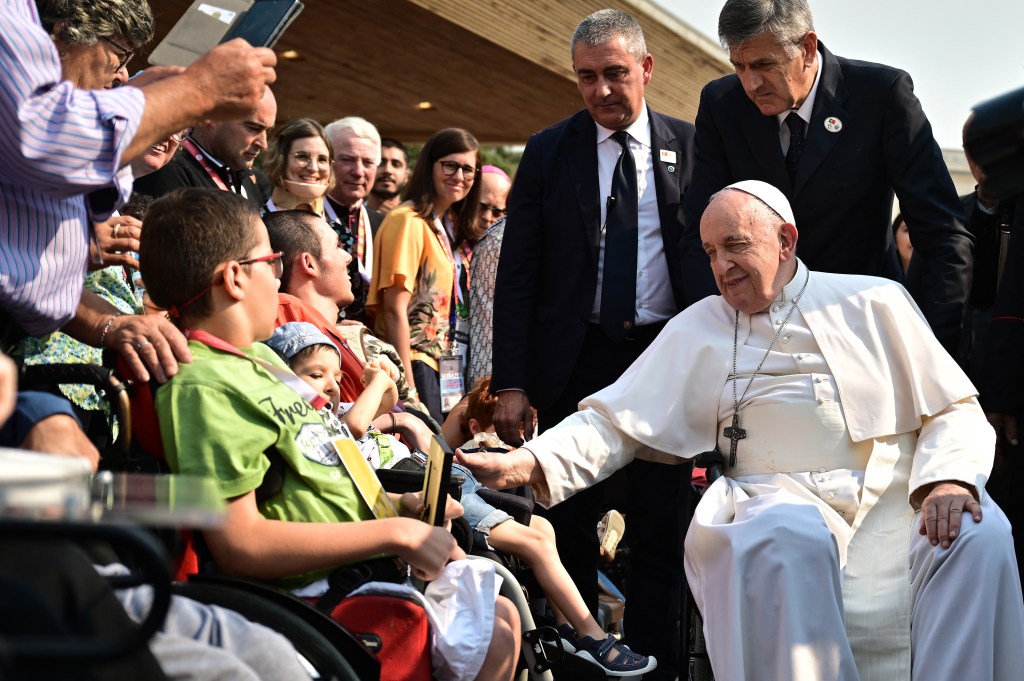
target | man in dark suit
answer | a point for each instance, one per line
(219, 156)
(860, 135)
(587, 277)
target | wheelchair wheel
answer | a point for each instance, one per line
(310, 642)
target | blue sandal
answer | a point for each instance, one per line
(570, 642)
(625, 663)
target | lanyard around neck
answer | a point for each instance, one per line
(304, 390)
(200, 156)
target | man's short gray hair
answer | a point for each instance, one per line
(788, 21)
(355, 126)
(606, 25)
(84, 22)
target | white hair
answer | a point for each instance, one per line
(356, 127)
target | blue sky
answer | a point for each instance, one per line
(958, 52)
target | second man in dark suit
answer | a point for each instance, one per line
(838, 137)
(590, 271)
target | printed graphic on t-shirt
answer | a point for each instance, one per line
(315, 444)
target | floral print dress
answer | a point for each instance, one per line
(411, 252)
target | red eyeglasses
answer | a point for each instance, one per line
(275, 260)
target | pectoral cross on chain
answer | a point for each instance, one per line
(735, 434)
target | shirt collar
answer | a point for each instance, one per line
(795, 285)
(640, 129)
(807, 108)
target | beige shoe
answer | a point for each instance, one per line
(610, 530)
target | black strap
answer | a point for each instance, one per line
(347, 579)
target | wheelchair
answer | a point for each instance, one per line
(330, 649)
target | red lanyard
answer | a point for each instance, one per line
(200, 156)
(304, 390)
(361, 226)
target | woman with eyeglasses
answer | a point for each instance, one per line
(419, 306)
(298, 163)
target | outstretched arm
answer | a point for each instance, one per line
(579, 452)
(250, 545)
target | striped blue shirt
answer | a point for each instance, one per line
(58, 143)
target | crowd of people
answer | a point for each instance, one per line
(634, 292)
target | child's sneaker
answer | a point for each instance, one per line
(610, 530)
(570, 642)
(615, 658)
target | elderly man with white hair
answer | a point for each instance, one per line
(356, 145)
(833, 547)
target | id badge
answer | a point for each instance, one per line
(452, 386)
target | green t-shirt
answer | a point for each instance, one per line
(219, 415)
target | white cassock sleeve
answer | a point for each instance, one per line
(956, 444)
(581, 451)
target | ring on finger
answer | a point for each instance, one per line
(117, 228)
(141, 344)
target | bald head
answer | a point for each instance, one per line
(236, 144)
(752, 248)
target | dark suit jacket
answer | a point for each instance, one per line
(1002, 386)
(547, 274)
(185, 171)
(842, 198)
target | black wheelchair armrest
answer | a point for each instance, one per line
(402, 481)
(519, 507)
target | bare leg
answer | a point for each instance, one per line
(536, 545)
(499, 664)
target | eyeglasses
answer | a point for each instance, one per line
(495, 211)
(449, 168)
(275, 260)
(305, 158)
(124, 54)
(367, 164)
(180, 135)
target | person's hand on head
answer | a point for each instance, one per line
(234, 75)
(117, 238)
(149, 343)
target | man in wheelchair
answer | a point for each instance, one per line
(833, 547)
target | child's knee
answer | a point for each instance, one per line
(507, 625)
(543, 525)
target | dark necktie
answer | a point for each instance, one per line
(618, 286)
(796, 143)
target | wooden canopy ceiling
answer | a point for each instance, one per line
(499, 69)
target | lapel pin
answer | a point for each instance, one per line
(671, 169)
(668, 156)
(833, 124)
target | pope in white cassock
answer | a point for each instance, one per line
(834, 546)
